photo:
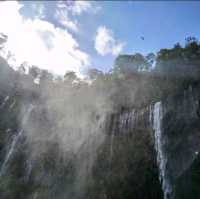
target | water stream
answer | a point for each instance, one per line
(161, 156)
(15, 141)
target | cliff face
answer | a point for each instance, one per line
(173, 126)
(126, 163)
(147, 152)
(181, 127)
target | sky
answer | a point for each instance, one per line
(68, 35)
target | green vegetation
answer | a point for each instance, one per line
(131, 172)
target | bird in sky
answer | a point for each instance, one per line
(142, 38)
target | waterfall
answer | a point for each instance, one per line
(10, 152)
(121, 124)
(161, 156)
(15, 141)
(12, 105)
(35, 195)
(4, 101)
(29, 167)
(27, 114)
(126, 122)
(112, 137)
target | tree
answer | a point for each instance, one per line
(34, 71)
(151, 57)
(192, 48)
(130, 63)
(70, 76)
(190, 40)
(46, 76)
(94, 73)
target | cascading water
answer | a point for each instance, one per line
(122, 124)
(4, 102)
(27, 114)
(15, 141)
(10, 152)
(28, 169)
(112, 138)
(161, 157)
(126, 122)
(12, 105)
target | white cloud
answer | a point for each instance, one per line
(66, 10)
(105, 42)
(77, 7)
(81, 6)
(39, 42)
(39, 10)
(62, 16)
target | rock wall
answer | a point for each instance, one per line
(151, 152)
(174, 126)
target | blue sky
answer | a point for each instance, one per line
(96, 32)
(161, 23)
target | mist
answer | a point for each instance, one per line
(70, 130)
